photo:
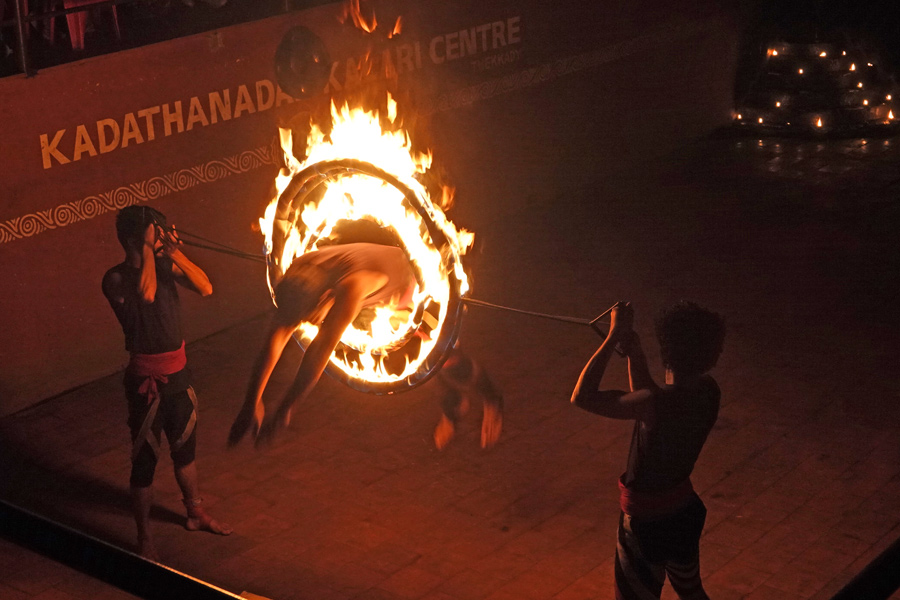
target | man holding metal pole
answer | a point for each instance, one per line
(142, 293)
(662, 517)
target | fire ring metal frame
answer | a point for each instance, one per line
(290, 204)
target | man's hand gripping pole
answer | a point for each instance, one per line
(595, 325)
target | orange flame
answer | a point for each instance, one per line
(397, 28)
(359, 134)
(354, 12)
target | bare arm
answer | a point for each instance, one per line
(186, 273)
(113, 289)
(147, 280)
(252, 411)
(348, 298)
(190, 275)
(639, 376)
(278, 337)
(615, 404)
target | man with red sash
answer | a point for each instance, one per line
(662, 517)
(143, 294)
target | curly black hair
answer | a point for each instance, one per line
(690, 337)
(132, 221)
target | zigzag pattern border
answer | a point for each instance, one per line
(144, 191)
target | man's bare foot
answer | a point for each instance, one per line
(208, 524)
(200, 520)
(444, 432)
(491, 425)
(250, 416)
(147, 550)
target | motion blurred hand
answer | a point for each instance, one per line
(266, 435)
(251, 416)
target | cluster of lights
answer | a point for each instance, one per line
(817, 122)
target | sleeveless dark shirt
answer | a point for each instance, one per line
(151, 328)
(663, 453)
(344, 259)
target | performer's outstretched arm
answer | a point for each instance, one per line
(348, 298)
(253, 411)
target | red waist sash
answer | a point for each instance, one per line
(643, 504)
(156, 368)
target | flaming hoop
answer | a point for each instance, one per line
(360, 174)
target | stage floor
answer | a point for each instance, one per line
(574, 207)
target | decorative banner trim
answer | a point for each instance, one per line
(137, 193)
(157, 187)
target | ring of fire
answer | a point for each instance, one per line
(305, 216)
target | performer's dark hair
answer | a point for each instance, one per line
(690, 338)
(132, 221)
(300, 290)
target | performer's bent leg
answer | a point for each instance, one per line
(141, 501)
(636, 577)
(683, 567)
(142, 469)
(183, 459)
(197, 517)
(181, 426)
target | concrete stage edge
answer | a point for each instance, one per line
(125, 570)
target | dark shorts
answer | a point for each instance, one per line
(175, 413)
(672, 538)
